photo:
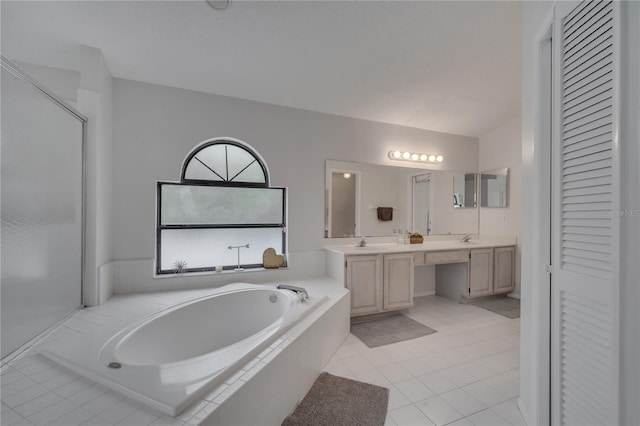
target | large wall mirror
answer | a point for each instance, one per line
(494, 188)
(377, 200)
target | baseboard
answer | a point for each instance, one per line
(424, 293)
(514, 295)
(465, 299)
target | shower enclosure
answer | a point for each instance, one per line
(41, 209)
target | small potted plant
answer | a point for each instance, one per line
(416, 238)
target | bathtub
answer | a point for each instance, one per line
(172, 357)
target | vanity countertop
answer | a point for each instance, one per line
(349, 250)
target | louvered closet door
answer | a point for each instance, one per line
(584, 232)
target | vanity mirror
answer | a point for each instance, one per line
(494, 188)
(464, 190)
(378, 200)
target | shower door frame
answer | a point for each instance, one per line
(19, 73)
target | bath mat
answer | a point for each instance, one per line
(335, 401)
(384, 331)
(505, 306)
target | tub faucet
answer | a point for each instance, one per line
(301, 292)
(465, 239)
(362, 243)
(238, 248)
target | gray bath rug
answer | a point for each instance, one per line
(335, 401)
(505, 306)
(387, 330)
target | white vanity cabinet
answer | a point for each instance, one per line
(398, 281)
(481, 272)
(504, 259)
(379, 283)
(491, 271)
(381, 278)
(364, 281)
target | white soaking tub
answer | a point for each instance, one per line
(172, 357)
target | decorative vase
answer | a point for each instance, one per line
(416, 240)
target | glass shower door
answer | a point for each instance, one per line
(41, 210)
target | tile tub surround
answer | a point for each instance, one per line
(37, 391)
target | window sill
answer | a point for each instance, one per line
(205, 273)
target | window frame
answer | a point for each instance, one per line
(227, 141)
(159, 272)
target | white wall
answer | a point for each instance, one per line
(95, 102)
(155, 127)
(500, 148)
(62, 83)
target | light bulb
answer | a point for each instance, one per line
(347, 175)
(423, 157)
(432, 158)
(406, 155)
(396, 154)
(439, 158)
(414, 157)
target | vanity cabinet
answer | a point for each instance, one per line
(504, 279)
(382, 279)
(379, 283)
(491, 271)
(481, 272)
(398, 281)
(364, 281)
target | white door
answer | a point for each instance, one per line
(584, 284)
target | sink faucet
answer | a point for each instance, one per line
(465, 239)
(362, 243)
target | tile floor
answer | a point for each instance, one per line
(465, 374)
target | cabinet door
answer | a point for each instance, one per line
(398, 281)
(503, 269)
(364, 281)
(481, 272)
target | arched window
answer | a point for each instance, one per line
(223, 201)
(225, 162)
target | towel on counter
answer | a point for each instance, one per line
(385, 214)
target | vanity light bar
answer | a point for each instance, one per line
(412, 156)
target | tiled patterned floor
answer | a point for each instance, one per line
(465, 374)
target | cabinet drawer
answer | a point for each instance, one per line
(451, 256)
(418, 258)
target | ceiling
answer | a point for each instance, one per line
(446, 66)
